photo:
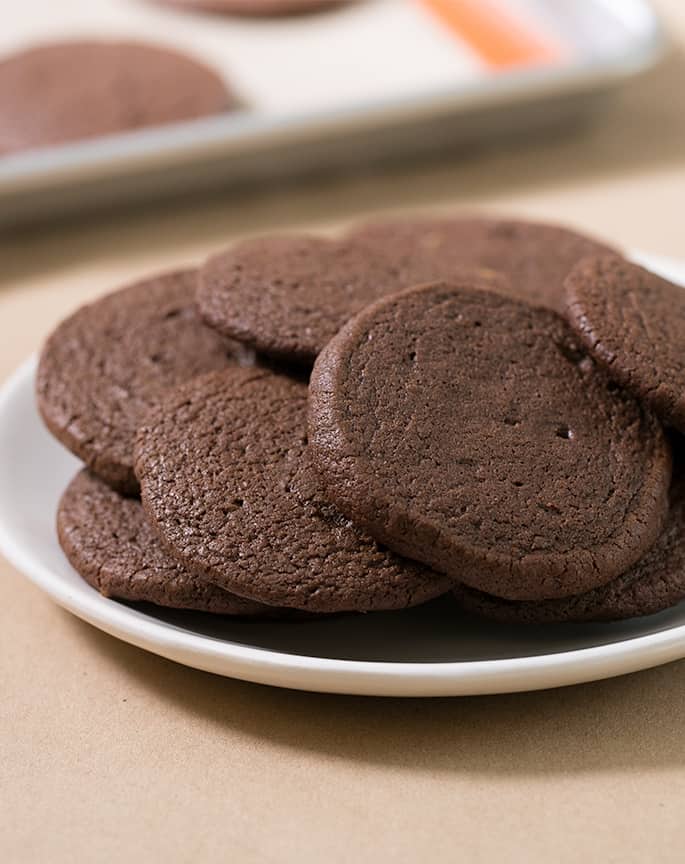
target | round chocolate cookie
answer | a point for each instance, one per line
(109, 541)
(655, 583)
(104, 366)
(467, 430)
(225, 478)
(54, 93)
(254, 8)
(535, 257)
(289, 295)
(633, 322)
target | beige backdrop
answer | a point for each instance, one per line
(108, 753)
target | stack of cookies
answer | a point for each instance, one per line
(474, 406)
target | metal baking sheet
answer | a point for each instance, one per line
(373, 79)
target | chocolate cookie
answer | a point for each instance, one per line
(655, 583)
(225, 477)
(255, 8)
(469, 431)
(633, 323)
(288, 295)
(53, 93)
(535, 257)
(104, 366)
(108, 540)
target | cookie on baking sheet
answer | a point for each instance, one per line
(257, 8)
(288, 295)
(66, 91)
(467, 430)
(225, 478)
(109, 541)
(655, 583)
(633, 322)
(104, 366)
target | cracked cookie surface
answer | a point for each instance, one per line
(655, 583)
(109, 542)
(471, 432)
(287, 295)
(224, 470)
(104, 366)
(633, 322)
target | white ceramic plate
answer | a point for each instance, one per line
(429, 651)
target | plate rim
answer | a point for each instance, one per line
(333, 675)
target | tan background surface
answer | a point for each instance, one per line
(109, 754)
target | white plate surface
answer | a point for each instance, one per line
(430, 651)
